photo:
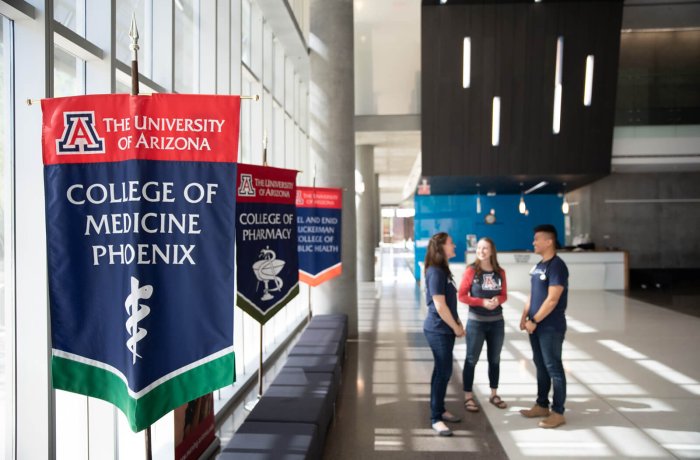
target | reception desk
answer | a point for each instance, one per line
(587, 270)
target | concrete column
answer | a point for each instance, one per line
(377, 212)
(366, 201)
(332, 137)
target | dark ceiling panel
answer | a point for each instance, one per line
(513, 56)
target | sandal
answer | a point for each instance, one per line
(498, 402)
(470, 405)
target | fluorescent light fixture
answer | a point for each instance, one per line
(565, 206)
(556, 119)
(478, 204)
(560, 58)
(442, 2)
(466, 62)
(521, 206)
(588, 82)
(496, 122)
(536, 187)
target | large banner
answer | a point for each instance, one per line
(319, 214)
(266, 235)
(140, 224)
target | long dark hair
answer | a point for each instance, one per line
(493, 258)
(435, 256)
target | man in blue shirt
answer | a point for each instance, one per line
(544, 319)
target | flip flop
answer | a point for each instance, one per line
(498, 402)
(473, 407)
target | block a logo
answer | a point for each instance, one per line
(79, 135)
(246, 188)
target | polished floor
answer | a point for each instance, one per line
(633, 382)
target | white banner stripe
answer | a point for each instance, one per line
(321, 272)
(250, 302)
(122, 377)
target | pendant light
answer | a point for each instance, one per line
(478, 198)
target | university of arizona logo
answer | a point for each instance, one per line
(246, 188)
(136, 312)
(79, 135)
(490, 284)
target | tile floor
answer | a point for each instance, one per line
(633, 382)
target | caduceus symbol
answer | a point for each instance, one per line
(136, 312)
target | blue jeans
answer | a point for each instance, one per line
(493, 332)
(546, 352)
(441, 345)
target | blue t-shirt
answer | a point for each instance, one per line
(437, 283)
(555, 274)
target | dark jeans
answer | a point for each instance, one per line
(441, 345)
(493, 332)
(546, 352)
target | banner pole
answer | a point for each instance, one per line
(254, 97)
(265, 148)
(149, 450)
(308, 320)
(260, 369)
(134, 35)
(313, 186)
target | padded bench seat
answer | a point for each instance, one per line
(321, 363)
(340, 329)
(273, 441)
(298, 398)
(326, 321)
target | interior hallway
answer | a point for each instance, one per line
(383, 406)
(633, 382)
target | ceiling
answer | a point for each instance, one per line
(387, 80)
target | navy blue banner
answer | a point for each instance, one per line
(140, 232)
(319, 223)
(266, 234)
(132, 244)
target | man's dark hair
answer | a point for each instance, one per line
(551, 230)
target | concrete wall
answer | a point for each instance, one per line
(655, 217)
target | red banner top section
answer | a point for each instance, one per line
(118, 127)
(309, 197)
(263, 184)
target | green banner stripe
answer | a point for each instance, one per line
(255, 312)
(92, 381)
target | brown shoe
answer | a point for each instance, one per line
(536, 411)
(554, 420)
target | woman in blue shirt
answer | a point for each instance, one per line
(441, 326)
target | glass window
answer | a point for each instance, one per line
(143, 10)
(5, 152)
(245, 153)
(71, 13)
(187, 46)
(278, 71)
(245, 32)
(278, 136)
(68, 74)
(256, 41)
(290, 156)
(267, 124)
(290, 76)
(268, 40)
